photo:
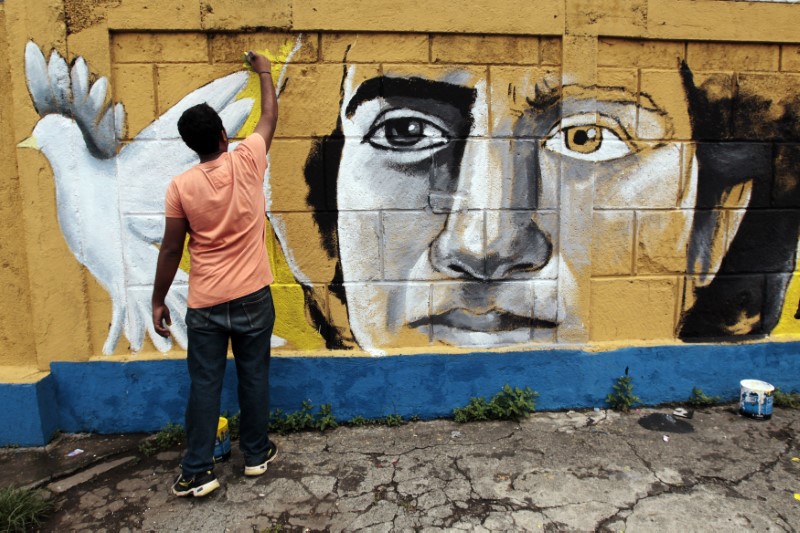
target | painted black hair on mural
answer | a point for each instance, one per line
(741, 136)
(200, 127)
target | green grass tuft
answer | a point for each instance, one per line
(21, 510)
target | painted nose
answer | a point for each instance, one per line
(491, 232)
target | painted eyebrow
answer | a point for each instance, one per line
(463, 98)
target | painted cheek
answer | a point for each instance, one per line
(407, 237)
(368, 181)
(650, 179)
(550, 178)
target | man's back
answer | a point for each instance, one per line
(223, 201)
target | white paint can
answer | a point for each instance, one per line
(755, 399)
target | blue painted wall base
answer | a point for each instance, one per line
(144, 396)
(28, 412)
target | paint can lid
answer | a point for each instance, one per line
(756, 385)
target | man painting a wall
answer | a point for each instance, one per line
(220, 205)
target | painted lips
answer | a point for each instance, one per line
(483, 322)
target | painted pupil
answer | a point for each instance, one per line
(584, 139)
(404, 131)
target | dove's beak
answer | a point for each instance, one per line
(30, 142)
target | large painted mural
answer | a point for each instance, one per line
(468, 200)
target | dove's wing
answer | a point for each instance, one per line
(148, 227)
(219, 94)
(56, 89)
(157, 154)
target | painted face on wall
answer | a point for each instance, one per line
(466, 198)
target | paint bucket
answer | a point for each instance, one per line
(222, 445)
(755, 399)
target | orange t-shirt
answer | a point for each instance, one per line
(223, 201)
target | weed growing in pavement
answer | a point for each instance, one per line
(326, 419)
(22, 510)
(171, 435)
(699, 399)
(392, 420)
(622, 397)
(786, 400)
(508, 404)
(302, 420)
(305, 419)
(359, 421)
(281, 422)
(388, 420)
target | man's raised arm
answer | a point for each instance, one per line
(269, 101)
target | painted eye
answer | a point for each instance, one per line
(587, 142)
(583, 139)
(404, 130)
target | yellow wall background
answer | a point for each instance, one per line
(154, 53)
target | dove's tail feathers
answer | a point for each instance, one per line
(118, 316)
(177, 303)
(141, 320)
(55, 88)
(136, 324)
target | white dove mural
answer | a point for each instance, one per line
(110, 203)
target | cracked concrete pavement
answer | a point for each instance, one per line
(564, 471)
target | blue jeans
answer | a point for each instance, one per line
(247, 322)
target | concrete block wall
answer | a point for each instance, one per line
(506, 176)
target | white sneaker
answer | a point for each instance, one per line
(258, 470)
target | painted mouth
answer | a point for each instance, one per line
(483, 322)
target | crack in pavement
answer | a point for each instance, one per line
(553, 472)
(664, 487)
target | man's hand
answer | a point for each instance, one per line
(259, 62)
(161, 319)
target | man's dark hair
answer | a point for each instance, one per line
(199, 127)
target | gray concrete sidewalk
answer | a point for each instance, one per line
(574, 471)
